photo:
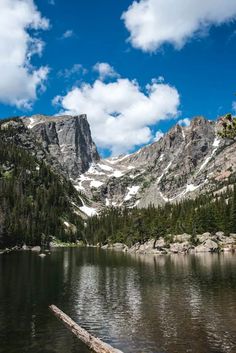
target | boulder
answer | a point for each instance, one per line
(177, 248)
(36, 248)
(220, 236)
(105, 247)
(25, 247)
(207, 246)
(160, 243)
(118, 246)
(203, 237)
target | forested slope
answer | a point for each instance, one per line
(207, 213)
(35, 201)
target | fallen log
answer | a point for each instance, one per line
(93, 343)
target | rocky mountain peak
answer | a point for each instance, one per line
(67, 138)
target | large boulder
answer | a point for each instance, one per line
(207, 246)
(203, 237)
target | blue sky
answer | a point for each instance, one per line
(198, 64)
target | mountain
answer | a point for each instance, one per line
(52, 177)
(186, 162)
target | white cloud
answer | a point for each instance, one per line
(152, 23)
(19, 80)
(184, 122)
(159, 134)
(76, 69)
(234, 106)
(67, 34)
(105, 70)
(119, 112)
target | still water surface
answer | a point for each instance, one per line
(141, 304)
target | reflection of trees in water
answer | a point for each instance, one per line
(138, 303)
(169, 301)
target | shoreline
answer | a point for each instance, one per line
(178, 244)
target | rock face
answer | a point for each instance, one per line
(67, 139)
(184, 163)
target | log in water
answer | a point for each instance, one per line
(94, 343)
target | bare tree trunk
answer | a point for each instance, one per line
(94, 343)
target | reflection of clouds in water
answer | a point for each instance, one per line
(107, 302)
(153, 303)
(194, 298)
(168, 322)
(65, 266)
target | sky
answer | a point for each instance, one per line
(134, 67)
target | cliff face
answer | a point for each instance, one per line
(67, 139)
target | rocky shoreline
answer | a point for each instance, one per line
(181, 244)
(177, 244)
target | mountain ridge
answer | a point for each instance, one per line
(184, 163)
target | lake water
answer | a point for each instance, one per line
(139, 304)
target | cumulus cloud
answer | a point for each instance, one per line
(159, 134)
(152, 23)
(184, 122)
(105, 70)
(20, 81)
(120, 113)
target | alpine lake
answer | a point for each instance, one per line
(136, 303)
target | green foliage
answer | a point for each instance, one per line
(228, 123)
(34, 200)
(207, 213)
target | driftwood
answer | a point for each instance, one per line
(94, 343)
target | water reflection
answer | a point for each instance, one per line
(146, 304)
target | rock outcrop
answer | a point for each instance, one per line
(67, 139)
(180, 244)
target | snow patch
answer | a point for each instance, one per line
(132, 191)
(115, 160)
(105, 167)
(164, 171)
(89, 211)
(92, 170)
(95, 184)
(215, 144)
(32, 122)
(189, 188)
(117, 174)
